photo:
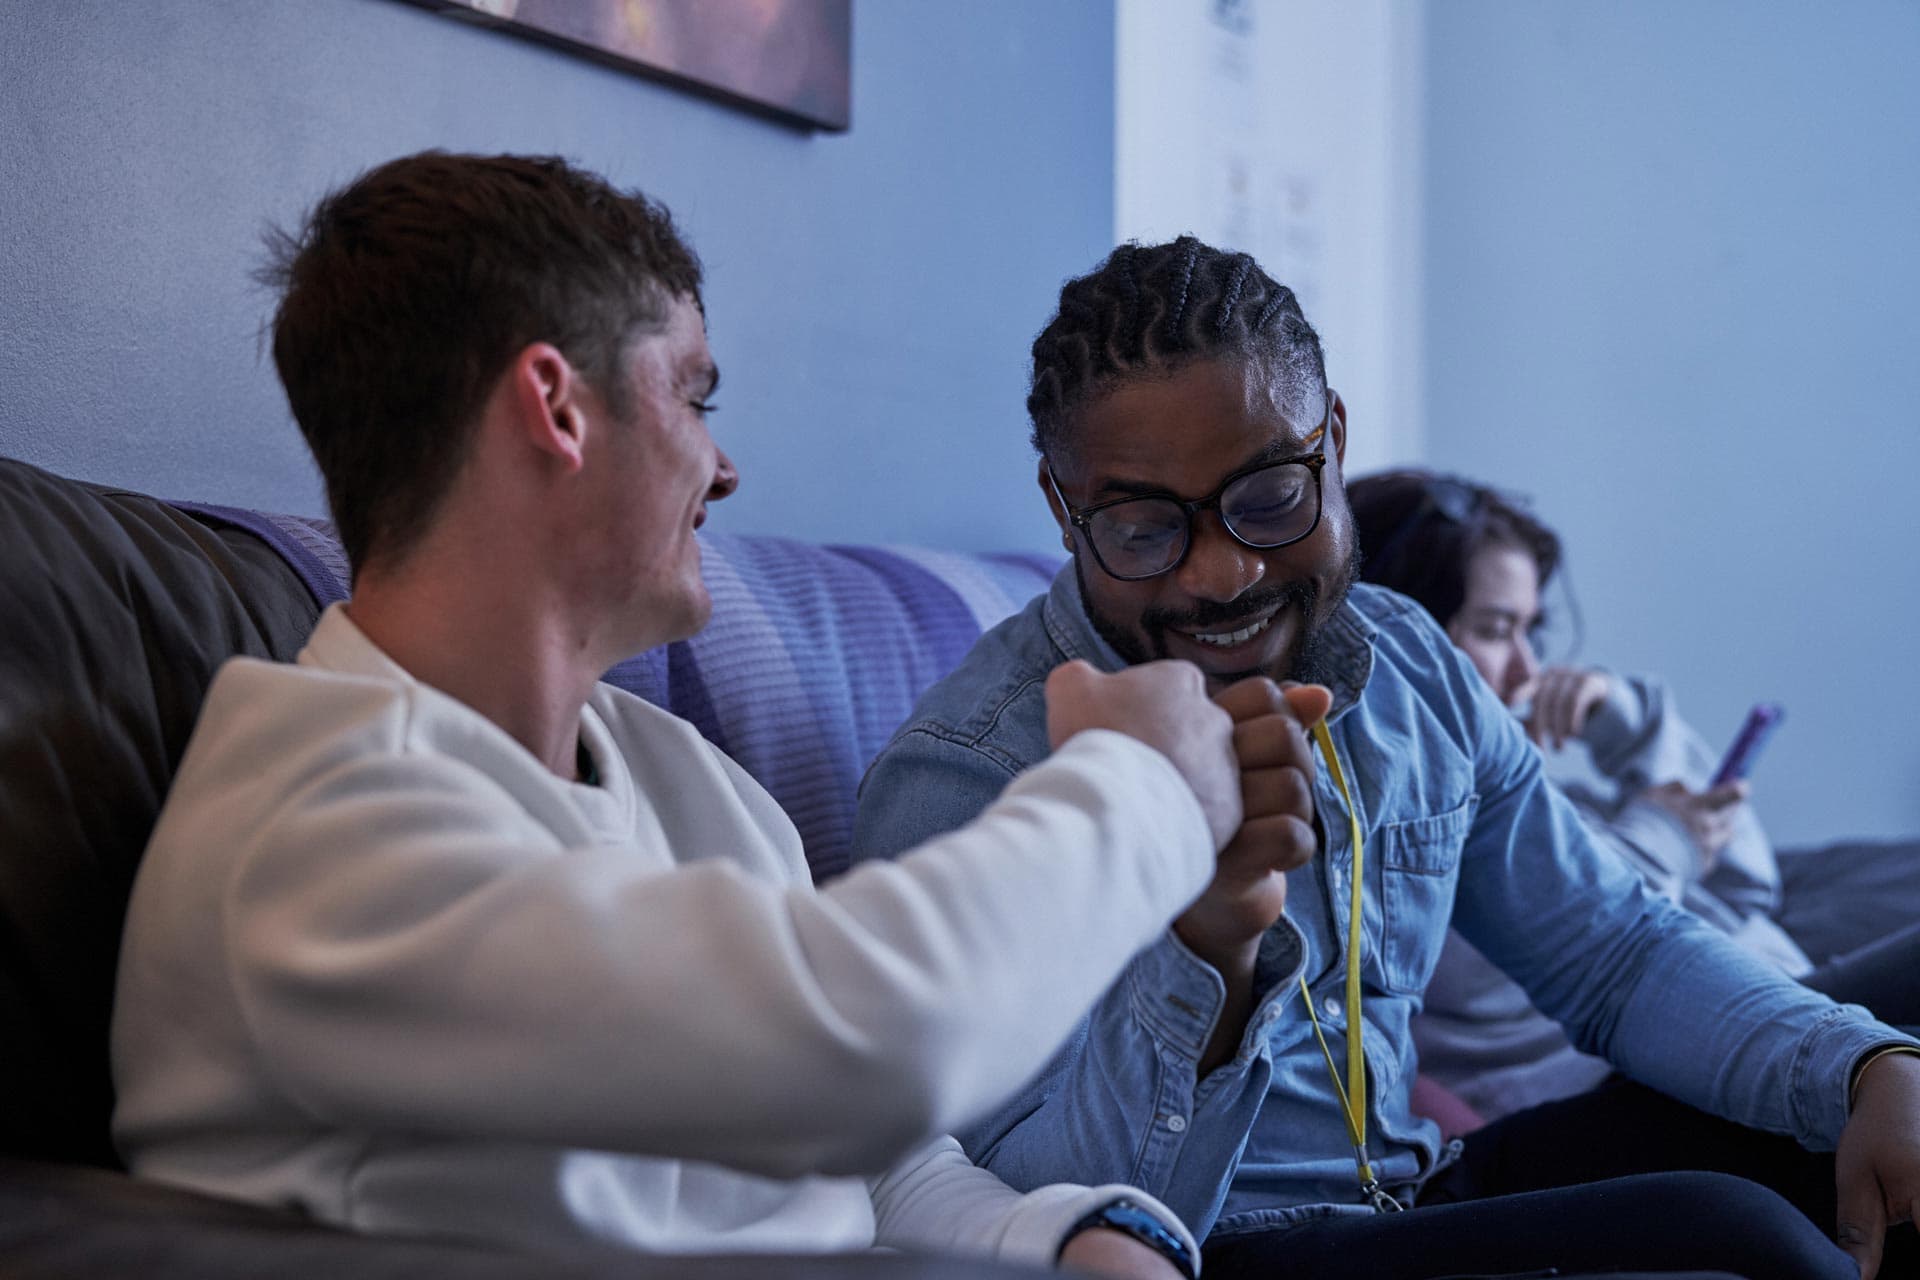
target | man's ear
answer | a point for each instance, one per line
(1054, 505)
(549, 400)
(1339, 429)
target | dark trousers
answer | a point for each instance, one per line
(1884, 976)
(1623, 1179)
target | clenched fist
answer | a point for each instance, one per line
(1276, 833)
(1165, 705)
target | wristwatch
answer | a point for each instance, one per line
(1130, 1219)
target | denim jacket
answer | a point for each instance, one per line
(1458, 823)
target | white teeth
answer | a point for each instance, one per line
(1227, 639)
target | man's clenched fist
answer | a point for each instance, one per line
(1271, 742)
(1165, 705)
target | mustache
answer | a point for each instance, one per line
(1230, 615)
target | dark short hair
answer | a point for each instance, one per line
(1419, 530)
(1147, 310)
(406, 294)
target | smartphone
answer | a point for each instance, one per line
(1761, 722)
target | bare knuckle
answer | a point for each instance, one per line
(1302, 843)
(1276, 835)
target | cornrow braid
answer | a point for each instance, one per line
(1151, 308)
(1186, 283)
(1133, 291)
(1239, 281)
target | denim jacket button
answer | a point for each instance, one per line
(1331, 1007)
(1177, 1124)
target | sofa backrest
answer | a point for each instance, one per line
(117, 608)
(814, 656)
(115, 611)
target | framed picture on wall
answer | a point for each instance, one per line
(791, 59)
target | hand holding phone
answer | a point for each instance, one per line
(1760, 724)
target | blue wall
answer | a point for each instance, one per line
(1674, 294)
(1674, 257)
(872, 294)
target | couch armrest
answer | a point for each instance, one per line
(76, 1223)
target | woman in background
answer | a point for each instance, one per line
(1839, 918)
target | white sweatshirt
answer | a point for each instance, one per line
(383, 966)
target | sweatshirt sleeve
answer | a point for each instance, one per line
(1654, 843)
(404, 957)
(1099, 1109)
(936, 1200)
(1637, 739)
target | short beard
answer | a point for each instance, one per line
(1304, 662)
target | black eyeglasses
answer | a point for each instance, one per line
(1267, 505)
(1450, 499)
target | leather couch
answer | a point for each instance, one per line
(116, 608)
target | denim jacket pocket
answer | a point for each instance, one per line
(1420, 864)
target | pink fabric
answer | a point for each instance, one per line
(1443, 1106)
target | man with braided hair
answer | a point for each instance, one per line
(1253, 1066)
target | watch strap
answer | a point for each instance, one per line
(1132, 1219)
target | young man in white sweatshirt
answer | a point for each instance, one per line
(439, 935)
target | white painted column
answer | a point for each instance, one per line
(1291, 129)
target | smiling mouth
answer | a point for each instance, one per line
(1228, 639)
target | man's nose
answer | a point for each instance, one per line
(1218, 566)
(725, 478)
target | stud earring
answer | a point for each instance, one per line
(1066, 540)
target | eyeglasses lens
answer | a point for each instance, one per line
(1266, 508)
(1139, 539)
(1457, 502)
(1272, 506)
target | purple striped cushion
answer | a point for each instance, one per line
(814, 656)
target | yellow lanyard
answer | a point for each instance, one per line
(1352, 1094)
